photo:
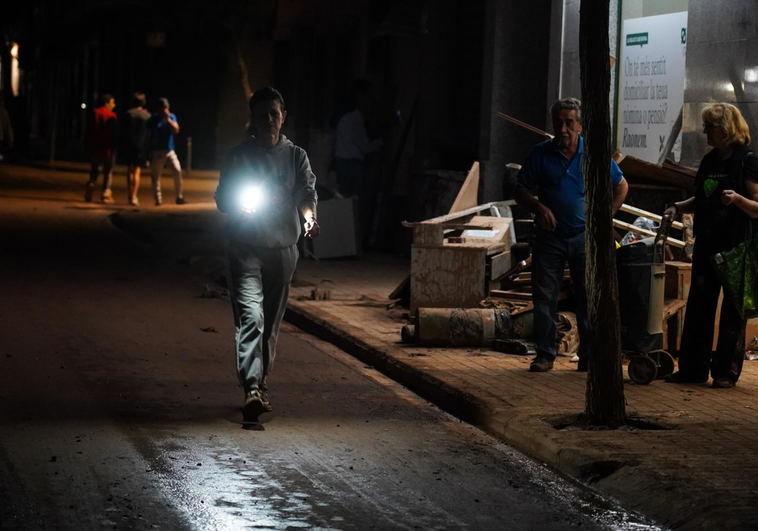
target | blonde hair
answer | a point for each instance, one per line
(730, 119)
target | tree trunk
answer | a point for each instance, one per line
(604, 402)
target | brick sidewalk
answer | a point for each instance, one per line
(701, 473)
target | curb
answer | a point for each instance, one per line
(655, 495)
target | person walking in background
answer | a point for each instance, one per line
(266, 184)
(102, 131)
(352, 144)
(135, 129)
(725, 205)
(162, 126)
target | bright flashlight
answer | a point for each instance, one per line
(251, 199)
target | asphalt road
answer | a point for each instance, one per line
(121, 409)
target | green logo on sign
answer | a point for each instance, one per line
(635, 39)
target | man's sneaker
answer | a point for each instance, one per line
(134, 201)
(253, 406)
(541, 365)
(88, 192)
(180, 201)
(107, 198)
(723, 383)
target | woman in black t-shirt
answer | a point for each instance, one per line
(725, 203)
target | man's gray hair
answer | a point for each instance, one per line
(567, 104)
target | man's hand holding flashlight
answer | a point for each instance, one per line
(312, 228)
(308, 210)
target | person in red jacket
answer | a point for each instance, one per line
(102, 132)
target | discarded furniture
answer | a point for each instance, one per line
(455, 257)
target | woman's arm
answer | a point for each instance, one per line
(682, 207)
(749, 205)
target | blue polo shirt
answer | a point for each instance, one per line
(163, 134)
(560, 184)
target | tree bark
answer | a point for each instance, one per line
(604, 401)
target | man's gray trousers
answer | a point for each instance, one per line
(259, 281)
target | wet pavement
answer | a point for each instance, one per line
(120, 407)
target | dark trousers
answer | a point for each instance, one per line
(551, 252)
(107, 164)
(696, 356)
(349, 176)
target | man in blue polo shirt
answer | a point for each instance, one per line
(162, 126)
(554, 169)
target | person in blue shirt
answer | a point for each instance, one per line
(162, 127)
(553, 168)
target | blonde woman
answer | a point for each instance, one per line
(725, 203)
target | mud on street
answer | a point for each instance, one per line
(121, 408)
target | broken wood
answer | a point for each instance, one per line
(637, 170)
(468, 194)
(523, 264)
(524, 125)
(511, 294)
(645, 214)
(637, 230)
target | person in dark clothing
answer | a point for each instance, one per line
(266, 184)
(6, 130)
(724, 204)
(135, 129)
(102, 132)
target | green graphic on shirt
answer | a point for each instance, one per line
(710, 186)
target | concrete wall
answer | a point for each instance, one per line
(515, 81)
(722, 66)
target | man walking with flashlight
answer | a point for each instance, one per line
(266, 184)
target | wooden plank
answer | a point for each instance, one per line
(488, 249)
(523, 124)
(509, 294)
(499, 264)
(678, 279)
(468, 194)
(643, 213)
(463, 213)
(638, 170)
(671, 306)
(628, 226)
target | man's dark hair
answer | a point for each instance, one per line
(567, 104)
(138, 99)
(163, 102)
(265, 94)
(105, 98)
